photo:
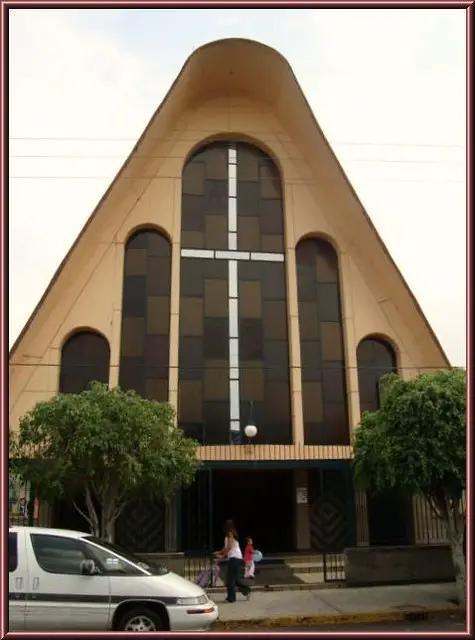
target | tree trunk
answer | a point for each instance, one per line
(108, 521)
(456, 526)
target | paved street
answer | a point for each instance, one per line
(455, 625)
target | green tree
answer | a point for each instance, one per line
(416, 444)
(107, 444)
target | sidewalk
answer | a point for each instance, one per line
(333, 606)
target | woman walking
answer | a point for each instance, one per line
(232, 551)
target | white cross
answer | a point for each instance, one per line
(232, 255)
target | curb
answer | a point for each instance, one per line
(409, 615)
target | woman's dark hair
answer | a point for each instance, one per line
(230, 528)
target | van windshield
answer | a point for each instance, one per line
(155, 569)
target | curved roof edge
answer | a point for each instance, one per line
(195, 54)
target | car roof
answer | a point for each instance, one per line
(53, 532)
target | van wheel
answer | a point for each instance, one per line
(141, 619)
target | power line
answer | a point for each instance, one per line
(216, 368)
(169, 157)
(338, 142)
(300, 183)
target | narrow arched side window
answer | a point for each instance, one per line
(85, 357)
(375, 358)
(144, 346)
(324, 399)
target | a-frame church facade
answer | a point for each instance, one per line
(231, 270)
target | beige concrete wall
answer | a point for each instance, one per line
(89, 290)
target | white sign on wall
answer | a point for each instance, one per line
(302, 495)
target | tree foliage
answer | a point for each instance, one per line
(107, 444)
(416, 443)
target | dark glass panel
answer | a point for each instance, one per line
(271, 218)
(158, 245)
(248, 234)
(216, 158)
(193, 178)
(192, 240)
(136, 262)
(156, 389)
(217, 414)
(252, 381)
(275, 320)
(334, 383)
(191, 358)
(312, 432)
(135, 296)
(248, 198)
(250, 300)
(308, 316)
(328, 302)
(84, 358)
(192, 213)
(273, 280)
(190, 401)
(250, 270)
(311, 361)
(331, 338)
(191, 317)
(276, 360)
(306, 284)
(158, 314)
(272, 244)
(216, 232)
(270, 180)
(133, 335)
(216, 380)
(216, 197)
(336, 424)
(383, 355)
(277, 399)
(158, 276)
(216, 338)
(312, 399)
(157, 351)
(327, 263)
(251, 338)
(216, 298)
(306, 253)
(191, 277)
(132, 374)
(138, 240)
(247, 164)
(364, 352)
(214, 269)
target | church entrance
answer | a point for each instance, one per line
(260, 504)
(258, 501)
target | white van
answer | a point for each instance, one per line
(70, 581)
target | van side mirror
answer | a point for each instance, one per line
(88, 568)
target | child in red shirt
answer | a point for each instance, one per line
(248, 559)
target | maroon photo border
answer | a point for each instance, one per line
(4, 8)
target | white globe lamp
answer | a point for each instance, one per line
(250, 430)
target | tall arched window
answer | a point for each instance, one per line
(375, 359)
(85, 358)
(324, 398)
(390, 516)
(144, 348)
(233, 353)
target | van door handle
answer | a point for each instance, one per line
(19, 583)
(36, 583)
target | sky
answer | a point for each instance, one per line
(387, 86)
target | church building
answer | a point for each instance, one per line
(231, 270)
